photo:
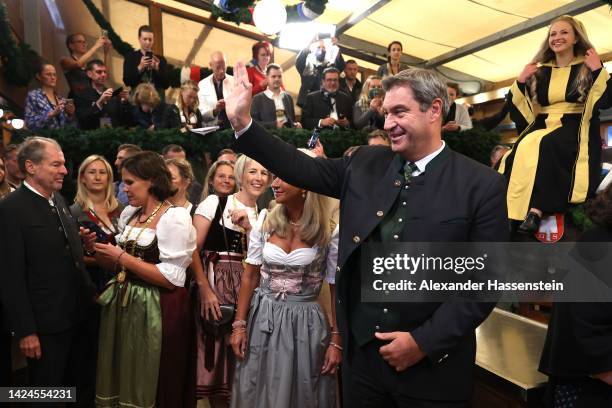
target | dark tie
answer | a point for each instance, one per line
(409, 168)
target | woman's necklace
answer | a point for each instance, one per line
(122, 274)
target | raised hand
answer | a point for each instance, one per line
(529, 70)
(592, 60)
(238, 102)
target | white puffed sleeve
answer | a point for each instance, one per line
(332, 257)
(125, 216)
(208, 207)
(256, 241)
(176, 239)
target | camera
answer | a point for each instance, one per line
(374, 92)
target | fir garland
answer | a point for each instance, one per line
(18, 62)
(121, 46)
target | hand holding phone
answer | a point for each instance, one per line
(101, 236)
(312, 142)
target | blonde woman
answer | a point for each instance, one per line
(96, 208)
(187, 103)
(149, 112)
(368, 111)
(555, 104)
(182, 177)
(280, 327)
(223, 224)
(219, 180)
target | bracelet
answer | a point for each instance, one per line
(119, 257)
(239, 324)
(339, 347)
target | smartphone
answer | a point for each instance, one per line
(312, 142)
(69, 100)
(104, 33)
(149, 54)
(117, 91)
(374, 92)
(323, 36)
(101, 236)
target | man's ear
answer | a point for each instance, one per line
(30, 167)
(89, 74)
(435, 110)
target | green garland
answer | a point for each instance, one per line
(119, 45)
(18, 61)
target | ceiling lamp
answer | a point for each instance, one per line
(269, 16)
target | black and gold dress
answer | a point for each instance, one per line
(556, 160)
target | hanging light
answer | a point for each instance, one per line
(16, 123)
(269, 16)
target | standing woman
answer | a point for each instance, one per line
(223, 225)
(219, 180)
(74, 65)
(96, 208)
(191, 117)
(46, 109)
(555, 104)
(182, 177)
(393, 65)
(284, 330)
(368, 111)
(5, 187)
(262, 55)
(145, 330)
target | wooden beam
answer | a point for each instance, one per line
(203, 20)
(155, 21)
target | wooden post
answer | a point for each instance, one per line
(155, 21)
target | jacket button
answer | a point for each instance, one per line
(377, 327)
(397, 183)
(385, 310)
(356, 239)
(379, 213)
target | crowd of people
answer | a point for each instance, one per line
(152, 289)
(330, 95)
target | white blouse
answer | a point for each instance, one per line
(208, 208)
(176, 240)
(301, 256)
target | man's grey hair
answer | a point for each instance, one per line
(426, 85)
(33, 149)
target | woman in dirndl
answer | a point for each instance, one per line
(288, 355)
(222, 225)
(146, 326)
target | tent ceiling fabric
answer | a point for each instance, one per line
(429, 29)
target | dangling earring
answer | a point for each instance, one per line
(304, 194)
